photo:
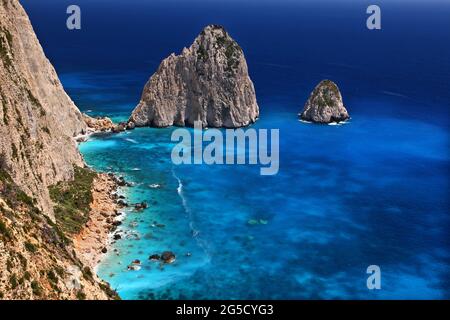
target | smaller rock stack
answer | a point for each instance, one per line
(325, 104)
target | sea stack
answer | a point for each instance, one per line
(207, 82)
(325, 104)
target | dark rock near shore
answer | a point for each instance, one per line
(130, 125)
(168, 257)
(122, 203)
(117, 236)
(155, 257)
(141, 206)
(121, 182)
(118, 128)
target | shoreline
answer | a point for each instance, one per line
(93, 242)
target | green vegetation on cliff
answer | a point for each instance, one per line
(72, 200)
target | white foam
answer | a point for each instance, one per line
(202, 244)
(339, 123)
(131, 140)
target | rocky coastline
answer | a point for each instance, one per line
(92, 242)
(101, 125)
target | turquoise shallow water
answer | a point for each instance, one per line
(367, 192)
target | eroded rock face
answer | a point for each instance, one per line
(325, 104)
(37, 124)
(37, 118)
(99, 124)
(208, 81)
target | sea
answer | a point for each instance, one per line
(371, 192)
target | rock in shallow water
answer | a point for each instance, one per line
(325, 104)
(168, 257)
(209, 82)
(154, 257)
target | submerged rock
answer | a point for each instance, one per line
(208, 81)
(141, 206)
(325, 104)
(168, 257)
(134, 267)
(254, 222)
(155, 257)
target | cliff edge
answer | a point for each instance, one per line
(37, 124)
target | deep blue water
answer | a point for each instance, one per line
(373, 191)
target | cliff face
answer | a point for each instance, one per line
(37, 124)
(325, 104)
(209, 82)
(37, 260)
(37, 118)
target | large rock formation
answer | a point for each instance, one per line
(209, 82)
(37, 118)
(325, 104)
(37, 124)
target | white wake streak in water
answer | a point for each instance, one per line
(195, 233)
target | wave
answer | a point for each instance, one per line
(330, 124)
(195, 233)
(339, 123)
(131, 140)
(395, 94)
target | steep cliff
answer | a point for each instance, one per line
(209, 82)
(37, 124)
(37, 118)
(37, 260)
(325, 104)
